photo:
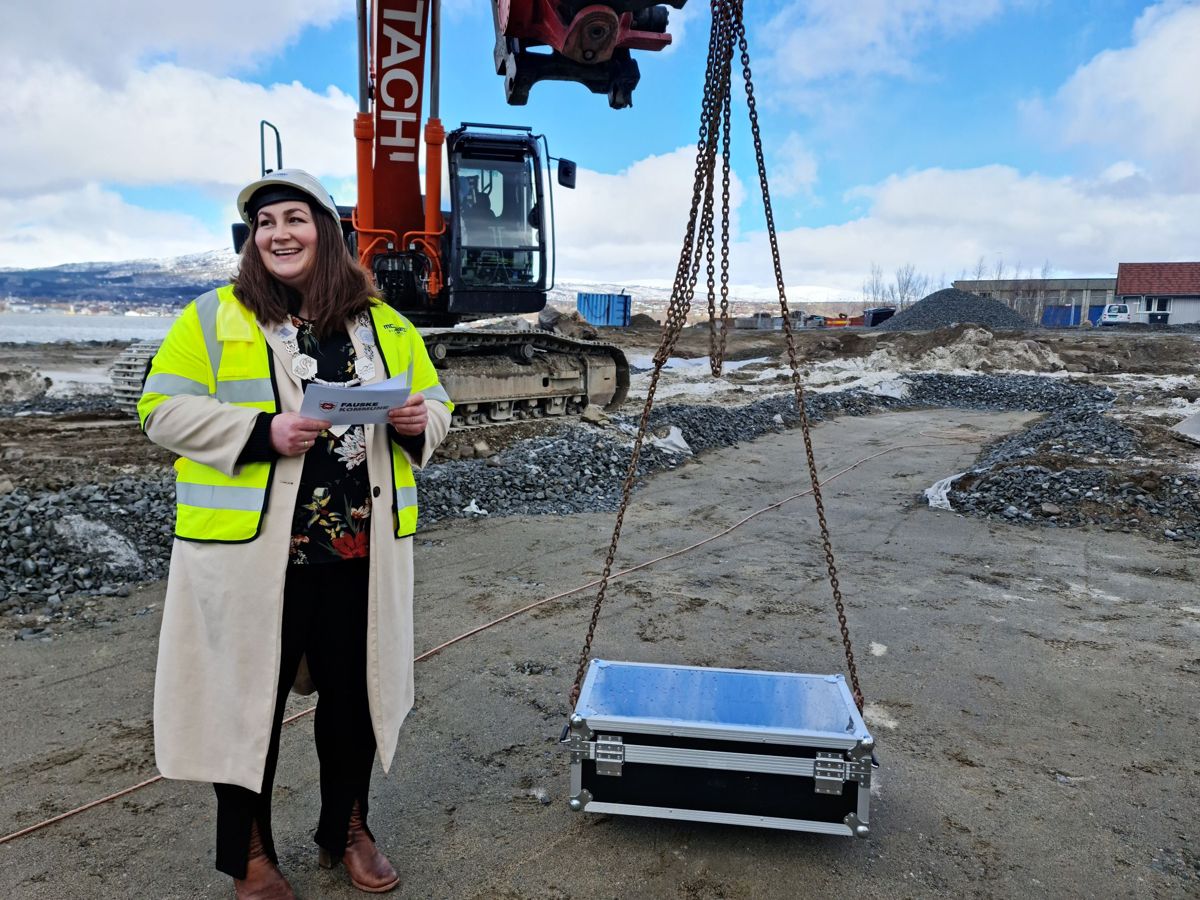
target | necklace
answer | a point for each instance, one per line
(304, 366)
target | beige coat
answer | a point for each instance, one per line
(219, 651)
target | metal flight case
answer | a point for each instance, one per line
(767, 749)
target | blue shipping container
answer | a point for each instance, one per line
(1068, 316)
(604, 309)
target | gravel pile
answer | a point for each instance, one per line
(1037, 476)
(1118, 499)
(72, 403)
(1004, 392)
(947, 307)
(1077, 434)
(58, 550)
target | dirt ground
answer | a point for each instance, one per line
(1032, 692)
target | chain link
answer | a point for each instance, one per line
(728, 34)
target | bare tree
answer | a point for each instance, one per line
(909, 286)
(980, 269)
(1019, 289)
(1043, 286)
(874, 290)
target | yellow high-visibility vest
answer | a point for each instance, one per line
(216, 350)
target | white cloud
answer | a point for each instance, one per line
(814, 40)
(943, 220)
(107, 39)
(795, 168)
(679, 24)
(90, 223)
(1141, 100)
(630, 224)
(130, 93)
(164, 125)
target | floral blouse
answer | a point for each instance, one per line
(333, 508)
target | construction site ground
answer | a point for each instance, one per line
(1032, 690)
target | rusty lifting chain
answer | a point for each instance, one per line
(728, 34)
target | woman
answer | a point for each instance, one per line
(293, 547)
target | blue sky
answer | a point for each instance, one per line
(929, 132)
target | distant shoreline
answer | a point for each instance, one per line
(60, 328)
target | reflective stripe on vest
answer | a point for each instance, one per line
(406, 496)
(207, 307)
(246, 390)
(437, 392)
(172, 385)
(209, 505)
(217, 496)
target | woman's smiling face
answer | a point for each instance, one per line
(286, 237)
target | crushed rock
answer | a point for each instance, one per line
(950, 306)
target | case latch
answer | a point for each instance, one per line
(609, 751)
(832, 770)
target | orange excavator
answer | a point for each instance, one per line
(491, 252)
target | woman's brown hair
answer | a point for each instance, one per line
(338, 288)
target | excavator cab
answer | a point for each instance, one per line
(500, 243)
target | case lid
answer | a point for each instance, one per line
(736, 704)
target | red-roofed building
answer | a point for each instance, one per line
(1160, 292)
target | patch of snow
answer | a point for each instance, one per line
(699, 389)
(1095, 593)
(692, 364)
(64, 383)
(100, 541)
(878, 714)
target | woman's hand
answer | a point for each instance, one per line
(411, 418)
(293, 434)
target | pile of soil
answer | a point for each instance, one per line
(643, 322)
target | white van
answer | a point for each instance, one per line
(1115, 314)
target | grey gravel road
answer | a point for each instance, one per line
(1032, 691)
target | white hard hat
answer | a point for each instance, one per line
(288, 182)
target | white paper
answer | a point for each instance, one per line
(361, 405)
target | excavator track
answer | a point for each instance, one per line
(498, 377)
(128, 373)
(493, 377)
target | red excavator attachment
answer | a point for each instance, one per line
(588, 42)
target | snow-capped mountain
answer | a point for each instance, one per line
(135, 282)
(172, 282)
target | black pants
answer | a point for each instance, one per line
(324, 619)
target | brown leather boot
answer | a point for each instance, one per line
(263, 879)
(369, 869)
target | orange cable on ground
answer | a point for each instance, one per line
(474, 631)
